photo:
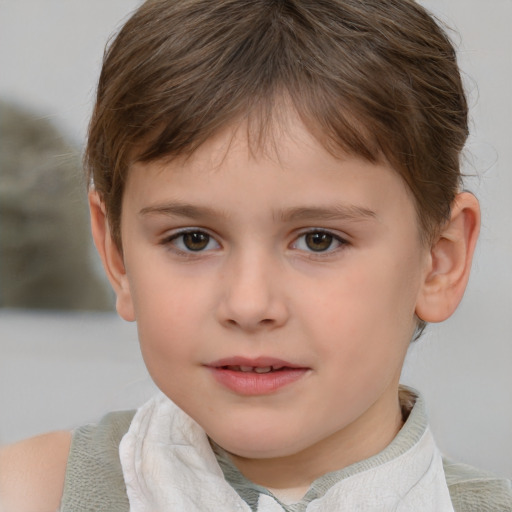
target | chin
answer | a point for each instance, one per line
(261, 444)
(262, 451)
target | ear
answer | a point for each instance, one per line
(449, 261)
(111, 257)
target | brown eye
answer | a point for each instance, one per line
(195, 240)
(318, 241)
(191, 241)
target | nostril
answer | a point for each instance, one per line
(265, 323)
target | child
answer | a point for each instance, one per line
(275, 195)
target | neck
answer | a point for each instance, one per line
(365, 437)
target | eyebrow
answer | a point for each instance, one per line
(302, 213)
(334, 212)
(181, 210)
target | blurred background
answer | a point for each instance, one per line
(65, 357)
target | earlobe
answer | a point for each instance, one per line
(111, 257)
(449, 264)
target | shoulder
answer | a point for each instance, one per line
(473, 490)
(72, 471)
(32, 472)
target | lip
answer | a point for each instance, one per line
(252, 383)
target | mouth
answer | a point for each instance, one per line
(255, 369)
(261, 376)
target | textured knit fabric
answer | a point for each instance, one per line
(94, 479)
(168, 464)
(473, 490)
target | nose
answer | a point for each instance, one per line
(253, 296)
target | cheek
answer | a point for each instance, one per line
(368, 313)
(161, 293)
(167, 344)
(169, 313)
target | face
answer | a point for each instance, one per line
(274, 291)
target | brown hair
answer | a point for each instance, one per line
(375, 78)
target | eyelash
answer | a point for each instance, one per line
(171, 240)
(334, 239)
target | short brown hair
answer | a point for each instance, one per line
(375, 78)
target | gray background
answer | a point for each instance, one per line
(58, 370)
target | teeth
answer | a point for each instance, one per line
(255, 369)
(263, 369)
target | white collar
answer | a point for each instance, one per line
(168, 465)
